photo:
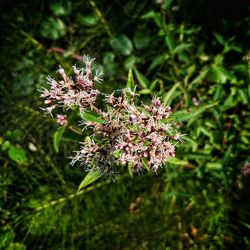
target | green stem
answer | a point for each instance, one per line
(101, 17)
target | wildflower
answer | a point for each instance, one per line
(139, 136)
(69, 93)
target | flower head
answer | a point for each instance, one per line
(138, 136)
(69, 93)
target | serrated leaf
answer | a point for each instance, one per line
(17, 154)
(92, 116)
(91, 177)
(57, 137)
(122, 45)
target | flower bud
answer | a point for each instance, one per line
(61, 71)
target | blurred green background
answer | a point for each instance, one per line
(194, 55)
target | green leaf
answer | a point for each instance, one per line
(181, 47)
(92, 116)
(155, 16)
(236, 48)
(86, 20)
(6, 145)
(130, 166)
(199, 78)
(61, 8)
(219, 38)
(144, 82)
(130, 81)
(168, 96)
(71, 136)
(218, 92)
(53, 28)
(17, 154)
(57, 137)
(145, 163)
(122, 45)
(176, 161)
(145, 92)
(91, 177)
(214, 165)
(130, 62)
(190, 113)
(109, 63)
(141, 39)
(15, 135)
(74, 113)
(169, 40)
(243, 96)
(154, 84)
(218, 74)
(158, 61)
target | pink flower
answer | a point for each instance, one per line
(68, 93)
(61, 119)
(138, 136)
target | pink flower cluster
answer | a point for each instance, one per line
(69, 93)
(138, 136)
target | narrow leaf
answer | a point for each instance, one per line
(181, 47)
(91, 177)
(219, 38)
(144, 82)
(130, 82)
(92, 116)
(184, 115)
(57, 137)
(176, 161)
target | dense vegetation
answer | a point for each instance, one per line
(194, 55)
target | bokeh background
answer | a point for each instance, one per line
(195, 56)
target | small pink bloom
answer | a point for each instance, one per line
(61, 119)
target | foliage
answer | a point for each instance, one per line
(198, 66)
